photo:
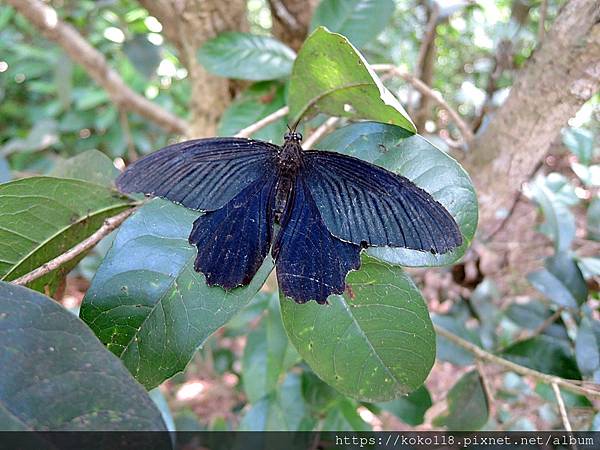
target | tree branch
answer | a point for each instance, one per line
(491, 358)
(108, 226)
(273, 117)
(465, 130)
(46, 20)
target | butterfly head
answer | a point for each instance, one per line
(292, 136)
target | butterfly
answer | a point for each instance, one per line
(328, 206)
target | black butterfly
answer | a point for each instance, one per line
(329, 206)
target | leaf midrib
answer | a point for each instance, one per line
(59, 232)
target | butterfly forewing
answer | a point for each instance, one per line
(366, 204)
(202, 174)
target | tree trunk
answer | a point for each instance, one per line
(559, 78)
(291, 20)
(188, 24)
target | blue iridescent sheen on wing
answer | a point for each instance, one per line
(366, 204)
(311, 263)
(234, 240)
(202, 174)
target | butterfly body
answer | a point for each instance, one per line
(329, 206)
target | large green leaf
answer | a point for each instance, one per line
(92, 166)
(246, 56)
(421, 162)
(546, 354)
(332, 77)
(267, 355)
(281, 410)
(374, 348)
(468, 408)
(42, 217)
(586, 349)
(258, 101)
(358, 20)
(148, 304)
(57, 376)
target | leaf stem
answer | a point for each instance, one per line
(109, 225)
(517, 368)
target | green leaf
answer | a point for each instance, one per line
(246, 56)
(580, 142)
(267, 355)
(42, 217)
(410, 409)
(561, 281)
(586, 349)
(92, 166)
(344, 417)
(143, 54)
(359, 20)
(468, 408)
(571, 399)
(332, 77)
(256, 102)
(375, 348)
(532, 315)
(146, 302)
(417, 159)
(282, 410)
(545, 354)
(448, 351)
(560, 223)
(593, 219)
(56, 376)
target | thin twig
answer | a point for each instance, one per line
(487, 388)
(465, 130)
(45, 18)
(109, 225)
(561, 408)
(542, 24)
(491, 358)
(321, 131)
(273, 117)
(427, 39)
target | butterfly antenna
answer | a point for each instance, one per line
(288, 127)
(295, 125)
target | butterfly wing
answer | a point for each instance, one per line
(311, 263)
(234, 240)
(202, 174)
(366, 204)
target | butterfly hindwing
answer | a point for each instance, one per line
(311, 263)
(202, 174)
(366, 204)
(234, 240)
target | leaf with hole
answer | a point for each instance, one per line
(330, 76)
(246, 56)
(146, 302)
(42, 217)
(56, 376)
(375, 342)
